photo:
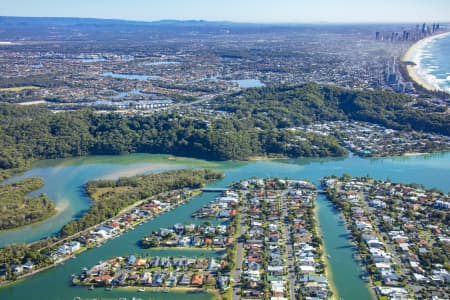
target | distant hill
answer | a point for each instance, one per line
(76, 29)
(57, 21)
(49, 28)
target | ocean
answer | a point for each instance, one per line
(433, 62)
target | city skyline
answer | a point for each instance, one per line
(251, 11)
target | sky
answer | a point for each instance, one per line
(254, 11)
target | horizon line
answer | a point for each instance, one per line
(232, 22)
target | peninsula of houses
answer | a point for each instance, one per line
(401, 232)
(259, 240)
(272, 249)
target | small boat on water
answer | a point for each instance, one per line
(328, 255)
(141, 290)
(91, 288)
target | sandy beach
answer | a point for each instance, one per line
(413, 54)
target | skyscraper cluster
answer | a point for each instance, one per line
(419, 32)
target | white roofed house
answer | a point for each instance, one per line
(29, 266)
(74, 246)
(146, 278)
(384, 268)
(184, 241)
(379, 255)
(228, 200)
(362, 225)
(68, 248)
(374, 243)
(306, 269)
(17, 269)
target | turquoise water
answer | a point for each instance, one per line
(130, 76)
(249, 83)
(64, 180)
(337, 245)
(56, 280)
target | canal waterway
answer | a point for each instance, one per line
(130, 76)
(249, 83)
(64, 180)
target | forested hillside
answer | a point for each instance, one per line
(33, 133)
(288, 106)
(256, 124)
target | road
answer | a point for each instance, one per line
(289, 250)
(236, 274)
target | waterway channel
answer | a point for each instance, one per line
(64, 180)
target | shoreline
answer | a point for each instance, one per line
(160, 289)
(199, 249)
(406, 154)
(263, 158)
(168, 290)
(410, 56)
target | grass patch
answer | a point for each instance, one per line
(97, 195)
(18, 89)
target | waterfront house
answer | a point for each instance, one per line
(131, 260)
(189, 228)
(218, 242)
(374, 243)
(197, 280)
(140, 262)
(68, 248)
(104, 279)
(146, 278)
(384, 268)
(164, 232)
(379, 255)
(158, 279)
(178, 228)
(17, 269)
(306, 269)
(28, 266)
(184, 241)
(185, 279)
(171, 280)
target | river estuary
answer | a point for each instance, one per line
(64, 181)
